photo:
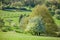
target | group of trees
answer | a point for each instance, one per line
(31, 2)
(44, 12)
(49, 23)
(53, 7)
(19, 3)
(39, 21)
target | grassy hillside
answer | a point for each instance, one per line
(13, 15)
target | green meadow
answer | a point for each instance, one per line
(20, 36)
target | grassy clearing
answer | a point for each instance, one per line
(19, 36)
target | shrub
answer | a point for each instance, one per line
(57, 12)
(18, 31)
(2, 22)
(17, 4)
(57, 34)
(23, 23)
(58, 17)
(50, 3)
(10, 28)
(52, 13)
(20, 17)
(4, 29)
(52, 10)
(49, 8)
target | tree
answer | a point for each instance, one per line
(23, 23)
(50, 25)
(35, 26)
(1, 23)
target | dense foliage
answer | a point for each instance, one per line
(39, 21)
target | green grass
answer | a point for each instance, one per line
(56, 21)
(19, 36)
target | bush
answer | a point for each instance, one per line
(57, 12)
(57, 34)
(2, 22)
(50, 3)
(4, 29)
(7, 28)
(52, 10)
(58, 17)
(10, 28)
(52, 13)
(18, 31)
(17, 4)
(23, 23)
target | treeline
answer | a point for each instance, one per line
(30, 3)
(24, 2)
(19, 3)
